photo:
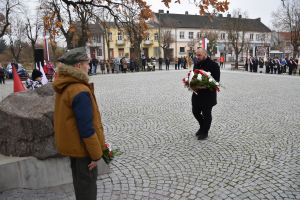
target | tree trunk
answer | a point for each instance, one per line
(295, 51)
(236, 61)
(33, 48)
(137, 52)
(165, 53)
(69, 43)
(53, 48)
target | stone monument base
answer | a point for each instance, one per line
(31, 173)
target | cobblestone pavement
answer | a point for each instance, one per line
(252, 151)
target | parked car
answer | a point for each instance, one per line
(21, 71)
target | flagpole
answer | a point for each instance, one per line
(46, 46)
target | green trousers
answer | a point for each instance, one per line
(84, 180)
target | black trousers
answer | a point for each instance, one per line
(2, 80)
(84, 180)
(204, 117)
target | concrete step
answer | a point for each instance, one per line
(31, 173)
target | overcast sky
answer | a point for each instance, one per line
(254, 8)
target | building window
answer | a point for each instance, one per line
(222, 36)
(263, 37)
(110, 36)
(181, 35)
(120, 36)
(198, 35)
(147, 36)
(97, 38)
(181, 50)
(251, 36)
(99, 52)
(191, 35)
(156, 36)
(121, 52)
(257, 37)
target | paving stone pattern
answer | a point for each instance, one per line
(252, 151)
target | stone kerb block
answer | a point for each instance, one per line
(31, 173)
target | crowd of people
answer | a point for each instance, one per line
(125, 64)
(272, 65)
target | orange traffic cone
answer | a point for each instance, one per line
(18, 85)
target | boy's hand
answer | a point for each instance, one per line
(92, 165)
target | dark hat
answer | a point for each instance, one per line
(74, 56)
(35, 74)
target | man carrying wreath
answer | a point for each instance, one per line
(204, 99)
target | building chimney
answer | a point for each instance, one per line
(220, 15)
(258, 19)
(229, 15)
(186, 12)
(160, 11)
(240, 16)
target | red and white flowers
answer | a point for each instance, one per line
(109, 154)
(200, 79)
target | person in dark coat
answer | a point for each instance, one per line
(255, 64)
(267, 63)
(167, 62)
(160, 61)
(205, 99)
(143, 63)
(261, 64)
(251, 64)
(271, 64)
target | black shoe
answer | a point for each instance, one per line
(202, 136)
(198, 133)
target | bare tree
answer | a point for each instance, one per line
(212, 37)
(84, 14)
(33, 28)
(72, 21)
(193, 44)
(134, 24)
(287, 18)
(16, 38)
(204, 5)
(277, 43)
(236, 31)
(3, 45)
(64, 18)
(51, 28)
(166, 39)
(247, 47)
(6, 9)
